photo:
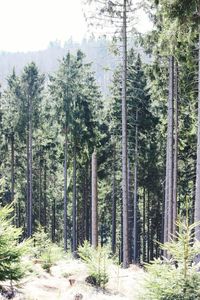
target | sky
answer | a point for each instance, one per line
(30, 25)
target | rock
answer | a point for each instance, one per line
(72, 281)
(78, 297)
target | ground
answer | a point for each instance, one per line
(40, 285)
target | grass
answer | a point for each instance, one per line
(123, 283)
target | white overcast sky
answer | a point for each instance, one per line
(29, 25)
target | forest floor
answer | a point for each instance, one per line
(40, 285)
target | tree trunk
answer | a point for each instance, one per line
(175, 162)
(45, 196)
(171, 137)
(148, 226)
(113, 206)
(94, 201)
(169, 161)
(40, 189)
(130, 213)
(13, 178)
(30, 169)
(84, 210)
(74, 227)
(135, 258)
(54, 221)
(124, 141)
(65, 190)
(197, 194)
(87, 205)
(144, 224)
(27, 186)
(12, 167)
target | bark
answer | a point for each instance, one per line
(124, 141)
(30, 162)
(148, 225)
(130, 213)
(197, 194)
(13, 179)
(12, 167)
(40, 189)
(65, 190)
(135, 258)
(114, 206)
(175, 162)
(171, 136)
(74, 227)
(88, 207)
(144, 224)
(169, 160)
(45, 196)
(27, 187)
(94, 201)
(54, 220)
(83, 214)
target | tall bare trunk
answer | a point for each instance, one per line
(144, 224)
(135, 250)
(175, 162)
(114, 205)
(171, 150)
(13, 178)
(197, 196)
(30, 137)
(74, 227)
(87, 204)
(12, 167)
(65, 190)
(148, 226)
(54, 220)
(45, 196)
(169, 161)
(40, 189)
(124, 141)
(27, 185)
(130, 213)
(94, 201)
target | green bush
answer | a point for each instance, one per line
(41, 242)
(175, 278)
(97, 261)
(44, 250)
(11, 251)
(50, 256)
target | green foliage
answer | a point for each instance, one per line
(11, 251)
(97, 261)
(44, 250)
(41, 242)
(175, 278)
(50, 256)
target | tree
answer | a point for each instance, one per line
(11, 267)
(11, 116)
(116, 13)
(94, 201)
(32, 85)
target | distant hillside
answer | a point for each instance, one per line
(96, 51)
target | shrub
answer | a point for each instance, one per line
(97, 261)
(11, 251)
(41, 242)
(50, 256)
(44, 250)
(175, 278)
